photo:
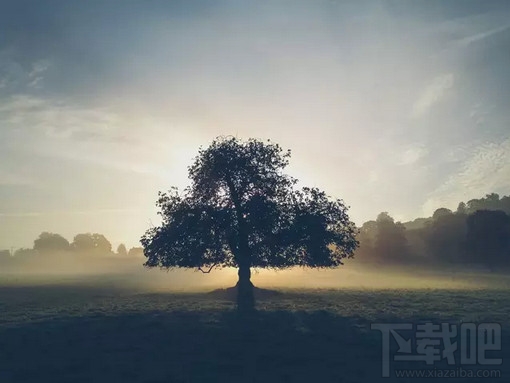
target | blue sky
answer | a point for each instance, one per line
(393, 106)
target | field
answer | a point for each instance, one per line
(78, 333)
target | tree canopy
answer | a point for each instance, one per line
(91, 243)
(476, 234)
(51, 242)
(242, 211)
(121, 250)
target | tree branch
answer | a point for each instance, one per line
(208, 271)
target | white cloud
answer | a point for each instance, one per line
(486, 170)
(36, 82)
(36, 77)
(13, 73)
(482, 35)
(432, 94)
(39, 67)
(98, 136)
(412, 154)
(20, 103)
(57, 119)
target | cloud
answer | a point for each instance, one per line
(14, 74)
(482, 35)
(100, 136)
(36, 82)
(412, 154)
(51, 128)
(432, 94)
(57, 120)
(38, 68)
(486, 170)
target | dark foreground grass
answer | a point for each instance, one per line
(83, 334)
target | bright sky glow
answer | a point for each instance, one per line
(393, 106)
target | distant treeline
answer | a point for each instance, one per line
(83, 244)
(476, 234)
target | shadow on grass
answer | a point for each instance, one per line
(194, 346)
(230, 294)
(185, 347)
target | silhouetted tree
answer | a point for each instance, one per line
(504, 204)
(489, 202)
(242, 211)
(441, 212)
(445, 236)
(488, 237)
(462, 208)
(51, 243)
(88, 243)
(390, 242)
(121, 250)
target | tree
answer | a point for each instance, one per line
(390, 242)
(51, 243)
(441, 212)
(445, 235)
(242, 211)
(462, 208)
(491, 201)
(88, 243)
(488, 237)
(121, 250)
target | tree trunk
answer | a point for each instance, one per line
(245, 298)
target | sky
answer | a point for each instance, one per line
(398, 106)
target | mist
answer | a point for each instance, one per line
(113, 273)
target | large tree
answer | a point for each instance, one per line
(242, 211)
(88, 243)
(51, 243)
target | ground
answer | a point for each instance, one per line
(102, 334)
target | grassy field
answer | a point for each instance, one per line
(77, 333)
